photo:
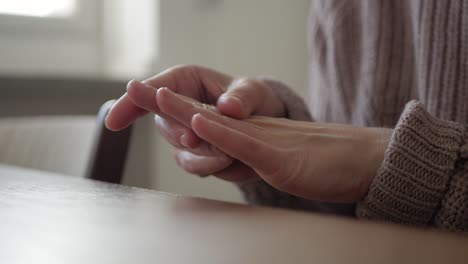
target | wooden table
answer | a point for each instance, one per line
(46, 218)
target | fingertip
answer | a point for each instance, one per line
(131, 83)
(122, 114)
(142, 95)
(189, 139)
(198, 122)
(205, 128)
(114, 125)
(132, 86)
(232, 106)
(161, 98)
(163, 92)
(197, 118)
(165, 98)
(108, 124)
(136, 88)
(109, 121)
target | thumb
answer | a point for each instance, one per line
(246, 97)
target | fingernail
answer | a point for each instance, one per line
(159, 121)
(129, 84)
(234, 98)
(165, 89)
(184, 140)
(198, 116)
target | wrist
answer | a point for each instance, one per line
(378, 141)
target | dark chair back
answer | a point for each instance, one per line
(109, 151)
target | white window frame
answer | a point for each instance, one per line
(52, 36)
(95, 42)
(81, 22)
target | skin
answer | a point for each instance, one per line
(237, 97)
(326, 162)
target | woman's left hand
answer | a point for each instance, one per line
(317, 161)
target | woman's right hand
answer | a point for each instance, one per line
(235, 97)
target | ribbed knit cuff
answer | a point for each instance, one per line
(453, 212)
(296, 109)
(415, 175)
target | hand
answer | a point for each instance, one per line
(235, 97)
(324, 162)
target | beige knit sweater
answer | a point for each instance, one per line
(370, 58)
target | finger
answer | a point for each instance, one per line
(205, 149)
(200, 165)
(176, 134)
(183, 109)
(246, 97)
(182, 137)
(123, 113)
(236, 172)
(196, 82)
(179, 107)
(191, 81)
(143, 96)
(246, 148)
(128, 109)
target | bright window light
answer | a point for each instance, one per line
(38, 8)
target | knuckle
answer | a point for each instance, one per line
(186, 70)
(183, 67)
(176, 70)
(260, 86)
(246, 81)
(241, 81)
(254, 85)
(207, 107)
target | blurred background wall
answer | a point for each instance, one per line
(111, 41)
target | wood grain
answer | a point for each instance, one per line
(47, 218)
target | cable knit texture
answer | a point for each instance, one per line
(415, 180)
(370, 58)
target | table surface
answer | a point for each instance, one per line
(49, 218)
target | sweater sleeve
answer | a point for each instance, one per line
(259, 192)
(423, 180)
(296, 109)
